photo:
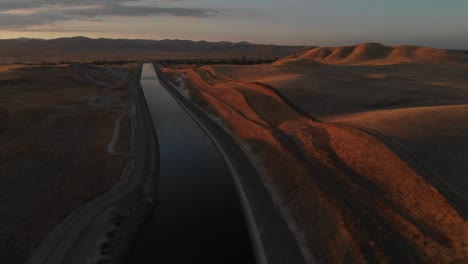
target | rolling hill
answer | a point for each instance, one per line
(375, 54)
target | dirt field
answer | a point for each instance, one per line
(352, 198)
(55, 125)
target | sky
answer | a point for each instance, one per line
(435, 23)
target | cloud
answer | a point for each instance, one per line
(121, 10)
(22, 14)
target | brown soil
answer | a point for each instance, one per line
(351, 197)
(53, 150)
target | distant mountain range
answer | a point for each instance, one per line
(86, 49)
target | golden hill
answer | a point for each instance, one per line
(375, 54)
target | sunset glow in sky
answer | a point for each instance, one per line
(434, 23)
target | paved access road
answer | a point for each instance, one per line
(199, 217)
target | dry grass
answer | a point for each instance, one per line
(374, 54)
(319, 88)
(53, 150)
(435, 134)
(419, 106)
(352, 198)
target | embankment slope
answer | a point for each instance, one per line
(347, 195)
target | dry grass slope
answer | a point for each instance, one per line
(351, 197)
(418, 106)
(374, 54)
(435, 134)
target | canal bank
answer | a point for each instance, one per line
(272, 238)
(198, 217)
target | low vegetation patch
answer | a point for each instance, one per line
(53, 145)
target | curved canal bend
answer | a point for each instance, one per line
(198, 218)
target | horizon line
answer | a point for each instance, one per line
(221, 41)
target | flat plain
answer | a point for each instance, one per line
(55, 127)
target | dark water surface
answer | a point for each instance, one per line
(199, 218)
